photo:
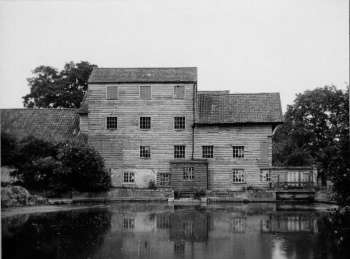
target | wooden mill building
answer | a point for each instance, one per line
(153, 124)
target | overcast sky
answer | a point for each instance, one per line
(285, 46)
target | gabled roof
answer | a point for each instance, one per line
(48, 124)
(140, 75)
(256, 108)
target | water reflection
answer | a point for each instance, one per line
(158, 231)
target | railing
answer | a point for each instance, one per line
(295, 185)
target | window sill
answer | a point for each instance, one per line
(239, 183)
(180, 129)
(145, 129)
(145, 158)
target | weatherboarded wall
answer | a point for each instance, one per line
(257, 144)
(121, 147)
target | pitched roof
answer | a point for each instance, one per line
(138, 75)
(239, 108)
(49, 124)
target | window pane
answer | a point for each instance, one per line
(145, 122)
(207, 151)
(145, 151)
(188, 173)
(112, 122)
(145, 92)
(179, 151)
(179, 122)
(238, 151)
(238, 176)
(179, 92)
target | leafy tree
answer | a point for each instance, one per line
(50, 88)
(8, 149)
(315, 127)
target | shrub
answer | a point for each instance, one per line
(43, 166)
(199, 193)
(84, 168)
(8, 149)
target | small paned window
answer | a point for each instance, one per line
(128, 223)
(129, 177)
(179, 151)
(179, 92)
(239, 224)
(179, 122)
(145, 151)
(112, 92)
(238, 151)
(145, 122)
(207, 151)
(112, 122)
(265, 175)
(164, 179)
(238, 176)
(145, 92)
(188, 173)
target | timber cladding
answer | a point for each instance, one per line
(189, 175)
(120, 147)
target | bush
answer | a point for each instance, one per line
(43, 166)
(8, 149)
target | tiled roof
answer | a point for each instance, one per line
(239, 108)
(133, 75)
(49, 124)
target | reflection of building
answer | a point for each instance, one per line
(289, 223)
(189, 225)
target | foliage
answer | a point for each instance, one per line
(199, 193)
(50, 88)
(8, 149)
(316, 131)
(59, 167)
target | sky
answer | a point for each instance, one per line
(244, 46)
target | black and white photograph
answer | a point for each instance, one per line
(199, 129)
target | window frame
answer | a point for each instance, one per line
(143, 152)
(188, 173)
(163, 182)
(211, 152)
(241, 178)
(265, 175)
(181, 122)
(150, 90)
(116, 122)
(141, 124)
(178, 153)
(238, 152)
(130, 176)
(115, 86)
(184, 91)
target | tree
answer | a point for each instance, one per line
(50, 88)
(315, 128)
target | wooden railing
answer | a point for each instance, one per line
(295, 185)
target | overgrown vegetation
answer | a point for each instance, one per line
(44, 166)
(316, 131)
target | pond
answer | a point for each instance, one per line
(134, 230)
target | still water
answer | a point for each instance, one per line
(132, 230)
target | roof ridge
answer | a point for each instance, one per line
(40, 109)
(139, 67)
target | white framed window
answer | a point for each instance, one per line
(238, 175)
(129, 177)
(265, 175)
(179, 92)
(145, 152)
(112, 122)
(145, 92)
(188, 174)
(207, 151)
(238, 151)
(145, 122)
(164, 179)
(179, 151)
(179, 123)
(112, 92)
